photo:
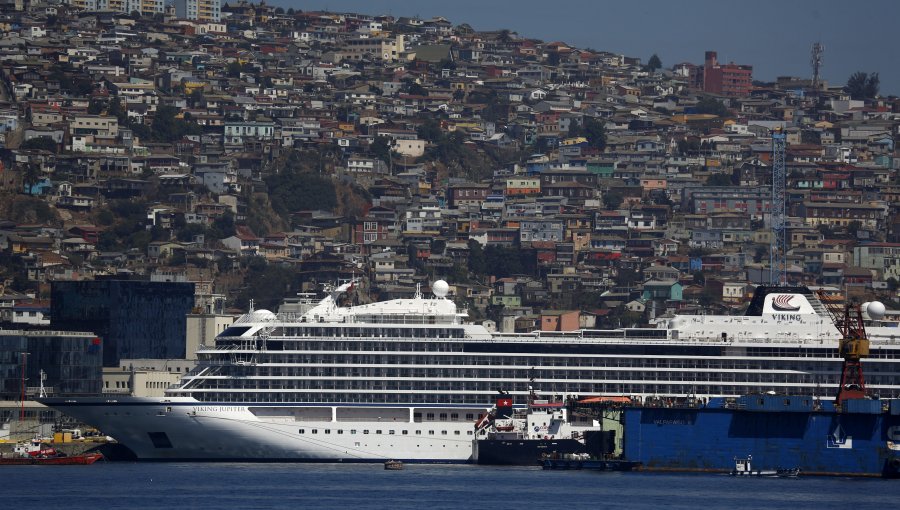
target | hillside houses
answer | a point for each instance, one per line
(532, 175)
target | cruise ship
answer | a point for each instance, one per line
(407, 379)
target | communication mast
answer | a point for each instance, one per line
(777, 255)
(815, 60)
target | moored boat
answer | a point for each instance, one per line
(393, 465)
(744, 467)
(36, 453)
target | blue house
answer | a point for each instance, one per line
(670, 290)
(42, 187)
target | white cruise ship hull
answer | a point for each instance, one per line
(184, 429)
(407, 379)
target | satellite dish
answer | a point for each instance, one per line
(440, 288)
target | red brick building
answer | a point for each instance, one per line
(726, 79)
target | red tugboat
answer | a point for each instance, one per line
(37, 454)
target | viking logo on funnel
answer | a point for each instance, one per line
(782, 303)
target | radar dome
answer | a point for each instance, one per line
(875, 310)
(440, 288)
(262, 315)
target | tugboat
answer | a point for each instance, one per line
(35, 453)
(517, 437)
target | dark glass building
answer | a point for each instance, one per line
(134, 319)
(71, 361)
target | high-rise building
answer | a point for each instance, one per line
(68, 362)
(200, 10)
(134, 319)
(726, 79)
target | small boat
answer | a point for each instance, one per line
(35, 453)
(743, 467)
(393, 465)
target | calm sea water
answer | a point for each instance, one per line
(431, 487)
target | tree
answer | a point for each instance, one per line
(292, 191)
(95, 107)
(381, 149)
(719, 180)
(712, 106)
(892, 284)
(687, 147)
(233, 69)
(699, 278)
(654, 63)
(196, 98)
(862, 85)
(477, 262)
(504, 36)
(465, 29)
(708, 297)
(430, 130)
(613, 199)
(167, 127)
(853, 228)
(39, 143)
(31, 175)
(413, 88)
(595, 132)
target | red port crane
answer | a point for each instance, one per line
(853, 345)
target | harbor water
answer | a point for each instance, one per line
(418, 486)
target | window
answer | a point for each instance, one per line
(302, 431)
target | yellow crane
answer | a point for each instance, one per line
(854, 344)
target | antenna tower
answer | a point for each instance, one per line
(815, 60)
(777, 255)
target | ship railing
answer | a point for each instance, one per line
(548, 338)
(294, 319)
(572, 337)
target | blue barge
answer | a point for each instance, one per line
(861, 439)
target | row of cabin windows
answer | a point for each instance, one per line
(380, 432)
